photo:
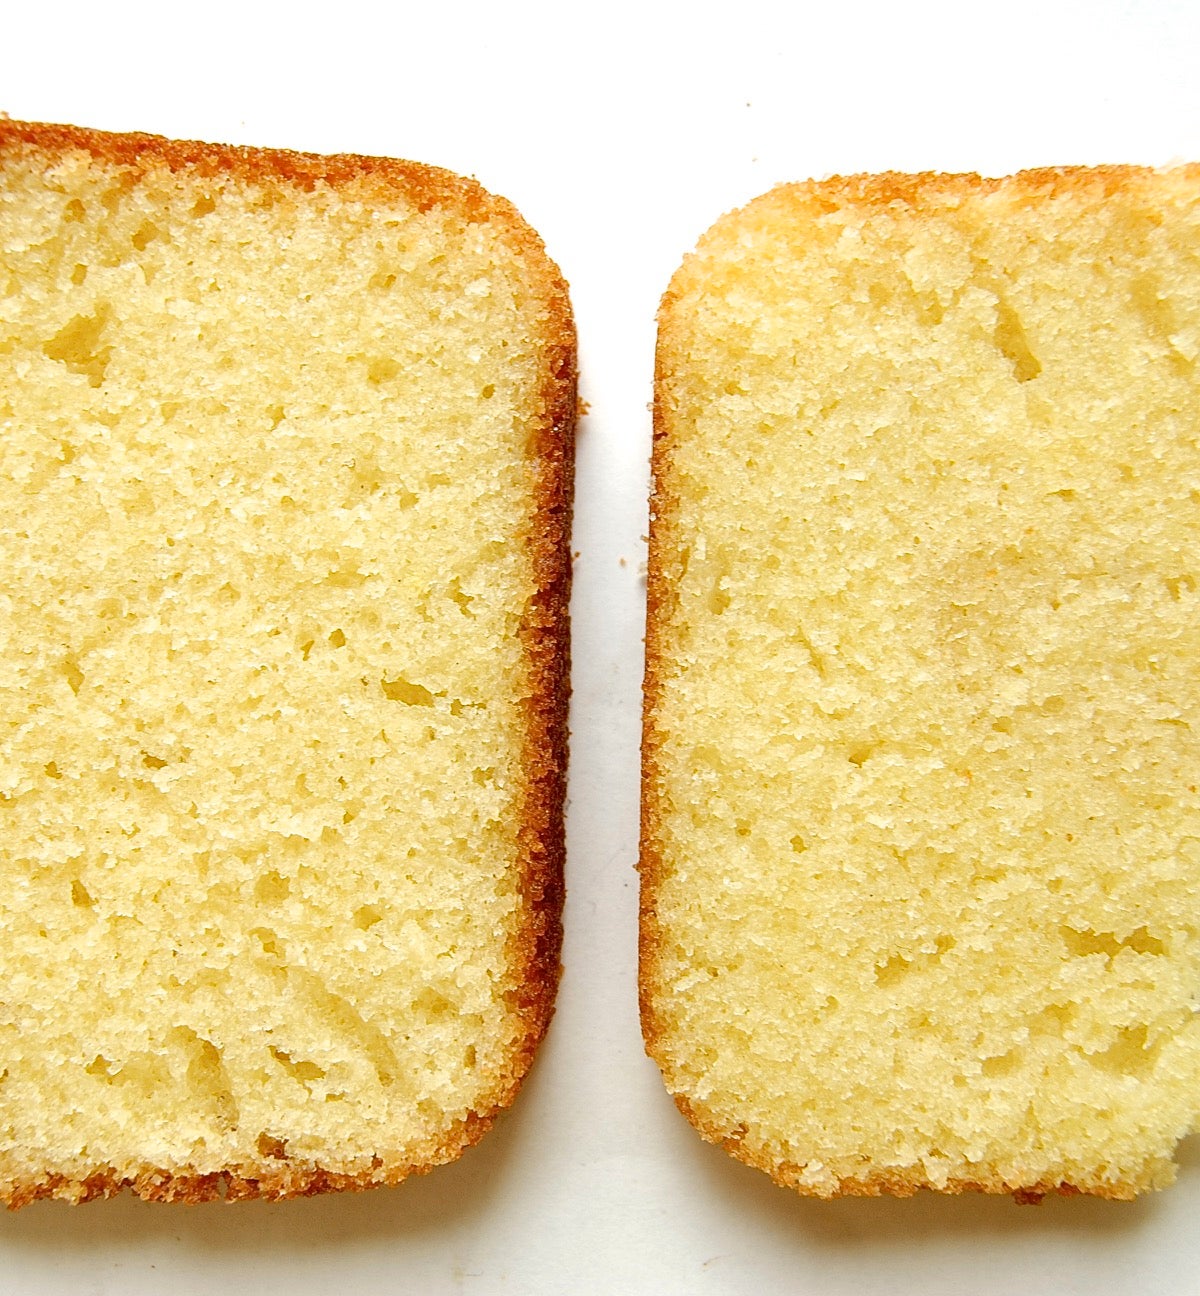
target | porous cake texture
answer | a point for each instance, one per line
(284, 500)
(921, 841)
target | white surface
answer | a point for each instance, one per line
(621, 131)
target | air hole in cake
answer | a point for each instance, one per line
(1012, 342)
(346, 578)
(299, 1070)
(381, 369)
(1053, 1020)
(1084, 942)
(207, 1076)
(77, 345)
(431, 1003)
(366, 916)
(145, 234)
(270, 942)
(719, 598)
(402, 690)
(274, 1148)
(462, 600)
(1003, 1064)
(339, 1014)
(1129, 1054)
(893, 971)
(70, 668)
(816, 659)
(271, 888)
(930, 309)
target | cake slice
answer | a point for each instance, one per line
(285, 488)
(921, 822)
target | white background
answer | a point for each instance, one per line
(621, 131)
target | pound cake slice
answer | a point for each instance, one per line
(921, 827)
(285, 477)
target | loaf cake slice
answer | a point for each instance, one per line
(286, 457)
(921, 841)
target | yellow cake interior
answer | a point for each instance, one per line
(265, 498)
(926, 704)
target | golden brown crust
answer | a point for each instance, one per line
(139, 154)
(650, 856)
(838, 192)
(894, 1183)
(534, 949)
(546, 638)
(269, 1181)
(914, 190)
(929, 188)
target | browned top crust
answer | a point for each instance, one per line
(139, 153)
(911, 189)
(922, 188)
(535, 947)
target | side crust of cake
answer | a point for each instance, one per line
(532, 955)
